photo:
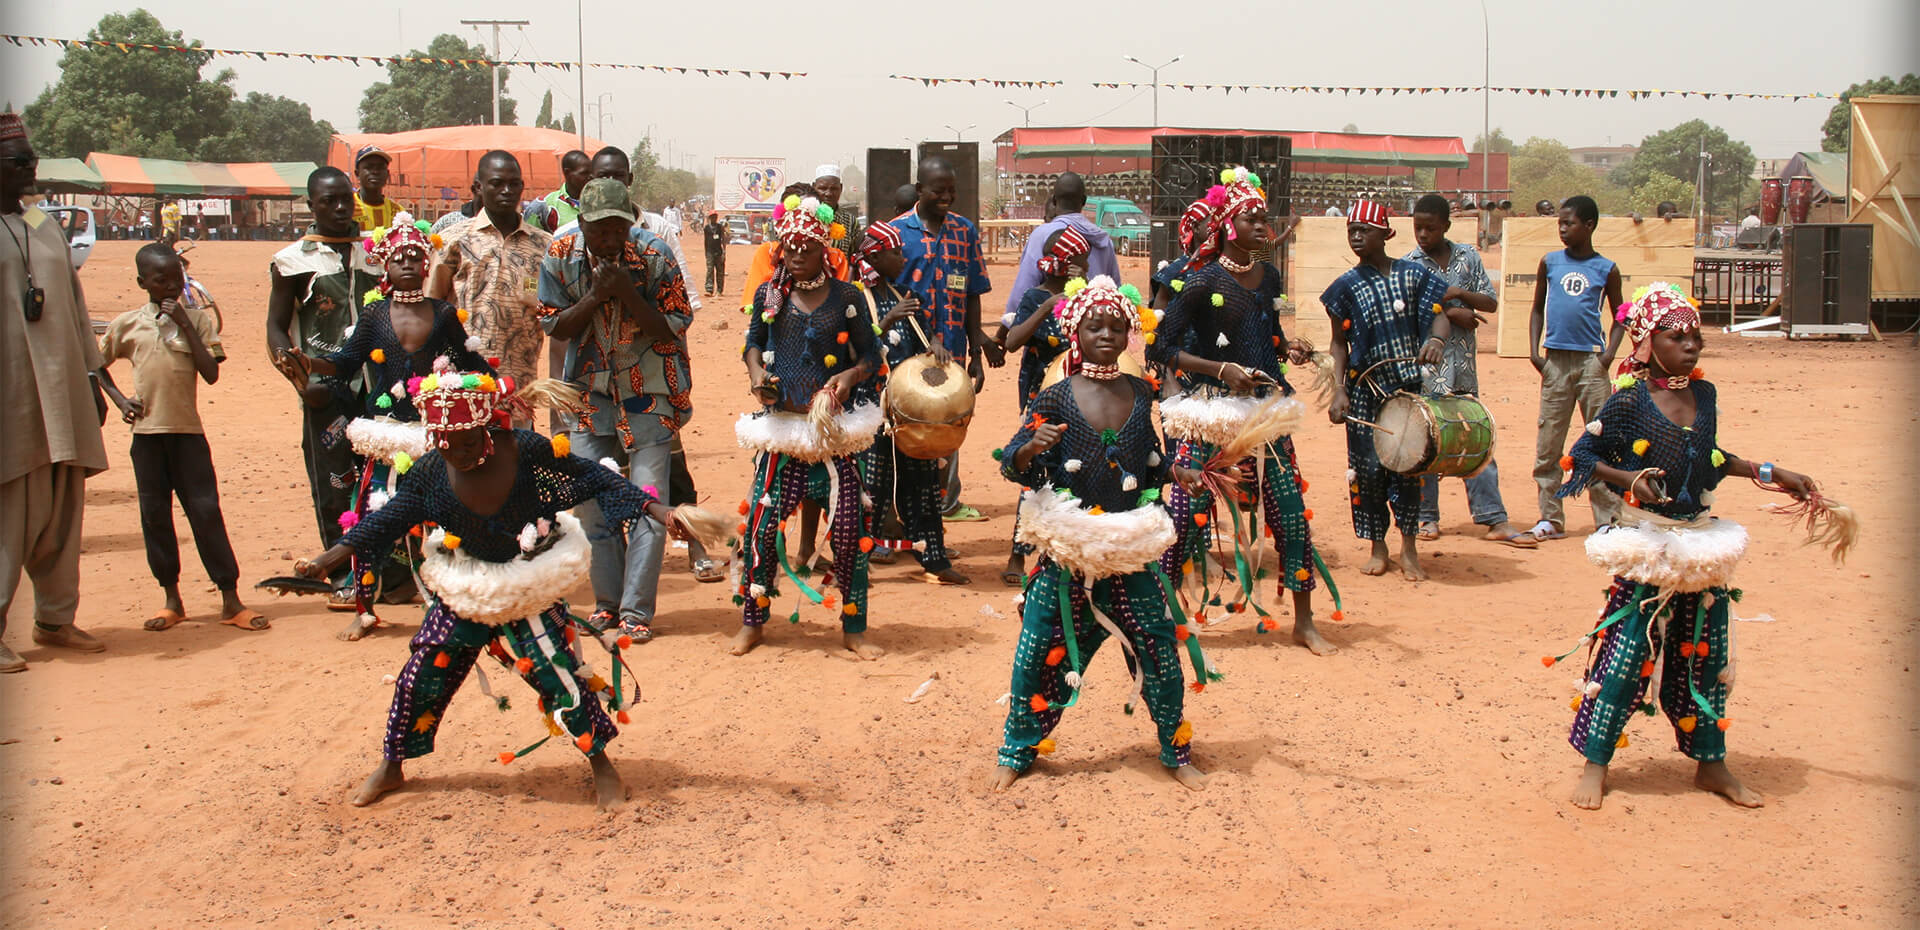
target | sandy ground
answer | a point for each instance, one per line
(1418, 779)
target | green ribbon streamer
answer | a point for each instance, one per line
(1073, 641)
(1194, 655)
(1327, 576)
(1630, 608)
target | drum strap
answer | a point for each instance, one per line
(873, 312)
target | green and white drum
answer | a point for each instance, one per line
(1443, 434)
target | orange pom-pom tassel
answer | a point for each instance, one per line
(1181, 632)
(1198, 686)
(828, 602)
(1698, 374)
(1566, 463)
(1686, 649)
(1307, 514)
(1723, 723)
(1339, 615)
(1045, 746)
(1621, 743)
(1268, 625)
(585, 742)
(866, 544)
(841, 337)
(762, 601)
(623, 717)
(740, 530)
(442, 660)
(624, 642)
(1686, 724)
(851, 610)
(1199, 519)
(1548, 661)
(1056, 655)
(1702, 648)
(523, 665)
(1646, 669)
(743, 508)
(1300, 574)
(1038, 703)
(562, 445)
(506, 758)
(367, 578)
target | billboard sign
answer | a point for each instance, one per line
(748, 183)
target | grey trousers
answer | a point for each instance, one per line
(1571, 379)
(40, 534)
(626, 572)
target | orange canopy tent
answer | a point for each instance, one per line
(435, 166)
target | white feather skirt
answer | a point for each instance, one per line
(1093, 545)
(496, 593)
(383, 437)
(792, 434)
(1217, 419)
(1678, 558)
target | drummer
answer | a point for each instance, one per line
(1458, 263)
(1381, 309)
(877, 262)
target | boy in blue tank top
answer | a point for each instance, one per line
(1574, 285)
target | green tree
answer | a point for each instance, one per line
(152, 104)
(1838, 129)
(566, 122)
(270, 128)
(545, 119)
(1676, 154)
(1501, 144)
(1656, 188)
(417, 95)
(1543, 169)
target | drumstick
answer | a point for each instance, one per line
(1353, 419)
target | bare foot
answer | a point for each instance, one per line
(746, 639)
(1308, 635)
(948, 575)
(1192, 778)
(608, 789)
(1377, 562)
(1410, 558)
(1714, 777)
(1591, 787)
(1003, 777)
(386, 777)
(857, 644)
(357, 627)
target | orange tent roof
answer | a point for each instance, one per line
(438, 164)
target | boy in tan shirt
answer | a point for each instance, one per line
(172, 347)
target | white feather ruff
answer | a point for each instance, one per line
(1094, 545)
(495, 593)
(1218, 418)
(1678, 559)
(791, 433)
(383, 437)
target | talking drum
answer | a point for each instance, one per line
(1444, 434)
(929, 407)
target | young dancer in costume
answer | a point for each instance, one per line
(1672, 561)
(1382, 310)
(503, 555)
(399, 335)
(1089, 455)
(877, 262)
(809, 346)
(1034, 330)
(1222, 337)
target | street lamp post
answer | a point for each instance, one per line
(1026, 113)
(1156, 81)
(1486, 108)
(959, 134)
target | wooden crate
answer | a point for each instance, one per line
(1320, 254)
(1656, 250)
(1883, 177)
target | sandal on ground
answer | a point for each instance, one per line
(706, 571)
(933, 578)
(637, 631)
(166, 618)
(1545, 530)
(965, 513)
(343, 599)
(1428, 532)
(247, 619)
(1012, 579)
(1521, 540)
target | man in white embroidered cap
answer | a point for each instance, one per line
(826, 185)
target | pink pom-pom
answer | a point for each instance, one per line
(779, 210)
(1216, 196)
(413, 384)
(367, 243)
(349, 520)
(442, 365)
(651, 490)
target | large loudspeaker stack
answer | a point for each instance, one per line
(1185, 166)
(887, 169)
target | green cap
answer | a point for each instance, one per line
(605, 197)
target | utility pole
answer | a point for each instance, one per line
(1026, 113)
(496, 24)
(599, 106)
(1156, 81)
(580, 38)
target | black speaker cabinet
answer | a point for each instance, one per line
(1184, 166)
(965, 159)
(887, 169)
(1829, 287)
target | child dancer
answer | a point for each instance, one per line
(503, 556)
(1381, 308)
(1222, 337)
(809, 346)
(1035, 329)
(1672, 561)
(173, 347)
(397, 339)
(1089, 454)
(877, 262)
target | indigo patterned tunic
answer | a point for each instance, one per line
(1242, 328)
(1046, 344)
(375, 331)
(1691, 455)
(802, 342)
(1095, 467)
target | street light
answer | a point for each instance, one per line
(1026, 113)
(958, 134)
(1156, 81)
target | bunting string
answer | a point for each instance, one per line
(975, 82)
(264, 55)
(1352, 90)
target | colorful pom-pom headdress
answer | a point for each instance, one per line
(798, 220)
(1239, 191)
(450, 401)
(1069, 245)
(1199, 214)
(1098, 297)
(405, 233)
(1655, 307)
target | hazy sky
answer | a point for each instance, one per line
(847, 104)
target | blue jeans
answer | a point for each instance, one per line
(1483, 498)
(626, 572)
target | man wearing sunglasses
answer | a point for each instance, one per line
(51, 415)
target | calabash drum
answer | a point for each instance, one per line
(929, 407)
(1444, 434)
(1058, 369)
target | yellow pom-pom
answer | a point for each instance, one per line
(1183, 734)
(1053, 340)
(488, 384)
(430, 383)
(1218, 300)
(378, 356)
(1178, 284)
(436, 240)
(1075, 286)
(1719, 458)
(1436, 308)
(1046, 746)
(562, 445)
(1226, 175)
(1623, 382)
(1640, 446)
(462, 315)
(402, 462)
(370, 297)
(792, 202)
(450, 541)
(831, 360)
(1148, 338)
